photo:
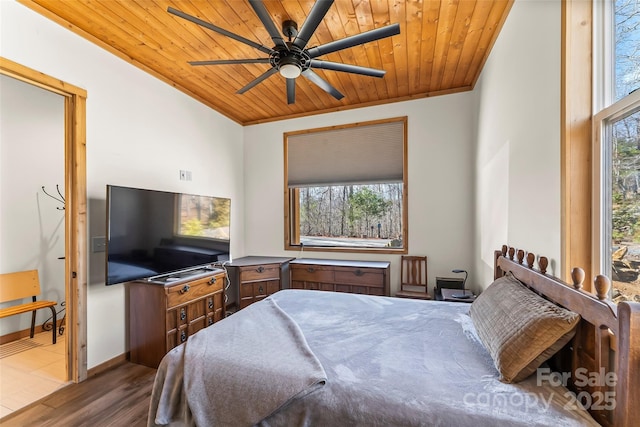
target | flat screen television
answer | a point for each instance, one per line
(151, 234)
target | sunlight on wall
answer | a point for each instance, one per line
(494, 203)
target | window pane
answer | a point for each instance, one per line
(627, 47)
(363, 216)
(625, 207)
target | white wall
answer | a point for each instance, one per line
(140, 133)
(518, 138)
(31, 223)
(440, 133)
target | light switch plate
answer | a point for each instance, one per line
(98, 244)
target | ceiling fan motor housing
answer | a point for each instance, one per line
(290, 29)
(292, 58)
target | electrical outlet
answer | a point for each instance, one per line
(185, 175)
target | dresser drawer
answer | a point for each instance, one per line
(251, 292)
(260, 272)
(253, 289)
(197, 325)
(359, 276)
(181, 294)
(312, 273)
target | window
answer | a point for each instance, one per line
(346, 188)
(617, 148)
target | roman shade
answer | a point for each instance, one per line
(365, 154)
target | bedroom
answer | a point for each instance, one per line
(520, 82)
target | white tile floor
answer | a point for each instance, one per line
(32, 374)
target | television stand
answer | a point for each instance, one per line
(166, 312)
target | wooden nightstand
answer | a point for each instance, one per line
(254, 278)
(448, 295)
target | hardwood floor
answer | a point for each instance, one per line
(117, 397)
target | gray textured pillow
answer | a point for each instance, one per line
(519, 328)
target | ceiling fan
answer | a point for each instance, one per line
(292, 58)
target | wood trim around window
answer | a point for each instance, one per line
(576, 137)
(292, 198)
(75, 209)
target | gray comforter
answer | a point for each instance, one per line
(348, 360)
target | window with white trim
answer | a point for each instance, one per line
(616, 155)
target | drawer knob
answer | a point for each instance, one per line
(212, 280)
(210, 321)
(183, 336)
(183, 314)
(185, 289)
(260, 269)
(210, 303)
(311, 269)
(261, 290)
(358, 272)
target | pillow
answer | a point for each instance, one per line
(519, 328)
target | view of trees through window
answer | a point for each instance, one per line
(625, 157)
(625, 215)
(627, 47)
(352, 215)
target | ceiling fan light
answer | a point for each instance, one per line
(290, 71)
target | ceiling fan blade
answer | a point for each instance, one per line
(362, 38)
(318, 11)
(322, 84)
(263, 14)
(347, 68)
(231, 61)
(291, 91)
(218, 30)
(259, 79)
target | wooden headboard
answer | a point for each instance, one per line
(602, 362)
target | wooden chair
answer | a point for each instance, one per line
(413, 277)
(20, 285)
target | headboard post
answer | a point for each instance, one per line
(497, 271)
(607, 340)
(577, 277)
(628, 387)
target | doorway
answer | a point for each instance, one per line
(75, 218)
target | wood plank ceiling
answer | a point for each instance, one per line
(441, 48)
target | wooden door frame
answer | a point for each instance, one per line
(75, 186)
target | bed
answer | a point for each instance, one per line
(321, 358)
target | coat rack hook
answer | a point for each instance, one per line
(61, 199)
(61, 196)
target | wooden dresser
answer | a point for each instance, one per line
(253, 278)
(162, 315)
(358, 277)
